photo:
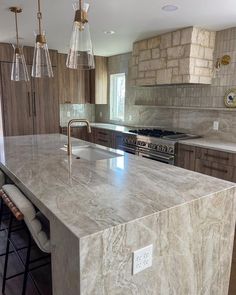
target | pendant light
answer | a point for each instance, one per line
(80, 55)
(42, 66)
(19, 70)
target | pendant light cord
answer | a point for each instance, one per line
(39, 16)
(81, 10)
(17, 35)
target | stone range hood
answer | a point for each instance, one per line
(180, 57)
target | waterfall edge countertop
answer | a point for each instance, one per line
(91, 196)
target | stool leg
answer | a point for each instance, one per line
(7, 254)
(1, 212)
(27, 262)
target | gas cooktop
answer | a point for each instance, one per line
(160, 133)
(155, 132)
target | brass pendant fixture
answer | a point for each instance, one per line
(42, 66)
(19, 70)
(80, 55)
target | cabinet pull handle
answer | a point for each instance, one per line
(216, 157)
(102, 140)
(30, 114)
(102, 133)
(215, 169)
(186, 150)
(34, 105)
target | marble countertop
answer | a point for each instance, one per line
(211, 143)
(89, 197)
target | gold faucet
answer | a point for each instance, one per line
(69, 146)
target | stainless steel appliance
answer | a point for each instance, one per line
(155, 144)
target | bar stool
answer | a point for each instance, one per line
(2, 182)
(23, 211)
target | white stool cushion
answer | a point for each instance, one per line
(30, 217)
(2, 178)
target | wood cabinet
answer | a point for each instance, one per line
(79, 132)
(6, 54)
(16, 104)
(98, 81)
(185, 157)
(45, 105)
(27, 107)
(74, 85)
(104, 137)
(207, 161)
(79, 86)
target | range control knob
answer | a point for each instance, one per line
(171, 150)
(164, 148)
(159, 147)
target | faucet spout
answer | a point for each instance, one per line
(70, 123)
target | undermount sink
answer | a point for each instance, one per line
(91, 153)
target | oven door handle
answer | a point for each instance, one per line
(157, 156)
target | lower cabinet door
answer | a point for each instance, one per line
(215, 169)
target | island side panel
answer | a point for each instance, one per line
(192, 251)
(65, 260)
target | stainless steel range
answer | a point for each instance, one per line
(155, 144)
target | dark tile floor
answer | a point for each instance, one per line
(42, 275)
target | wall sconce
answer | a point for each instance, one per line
(223, 61)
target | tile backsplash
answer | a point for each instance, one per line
(189, 107)
(78, 111)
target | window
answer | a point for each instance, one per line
(117, 97)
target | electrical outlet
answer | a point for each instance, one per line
(216, 125)
(68, 114)
(142, 259)
(130, 117)
(100, 114)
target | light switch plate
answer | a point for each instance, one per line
(68, 114)
(142, 259)
(216, 125)
(100, 114)
(130, 117)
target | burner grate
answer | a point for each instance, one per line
(155, 132)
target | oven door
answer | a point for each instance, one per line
(160, 157)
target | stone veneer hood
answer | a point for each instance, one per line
(179, 57)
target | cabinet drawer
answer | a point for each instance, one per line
(101, 133)
(215, 156)
(215, 169)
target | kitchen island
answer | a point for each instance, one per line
(100, 212)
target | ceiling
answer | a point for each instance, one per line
(131, 20)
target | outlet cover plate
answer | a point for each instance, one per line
(216, 125)
(142, 259)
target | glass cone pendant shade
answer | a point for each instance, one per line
(42, 66)
(19, 71)
(80, 55)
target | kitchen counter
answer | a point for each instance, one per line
(101, 211)
(211, 143)
(112, 127)
(205, 142)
